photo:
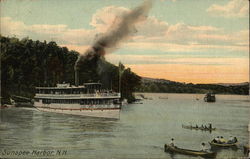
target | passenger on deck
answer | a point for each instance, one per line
(172, 143)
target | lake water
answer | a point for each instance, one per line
(141, 131)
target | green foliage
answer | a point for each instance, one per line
(129, 83)
(175, 87)
(26, 64)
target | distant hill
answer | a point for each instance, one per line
(233, 84)
(148, 80)
(167, 86)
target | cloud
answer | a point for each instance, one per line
(180, 33)
(151, 34)
(106, 16)
(10, 27)
(234, 8)
(152, 27)
(159, 35)
(165, 59)
(172, 47)
(183, 49)
(169, 0)
(60, 33)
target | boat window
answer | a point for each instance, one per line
(46, 101)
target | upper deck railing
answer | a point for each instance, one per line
(95, 95)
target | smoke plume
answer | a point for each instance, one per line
(118, 32)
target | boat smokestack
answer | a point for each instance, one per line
(76, 78)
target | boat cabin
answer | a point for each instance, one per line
(87, 94)
(87, 88)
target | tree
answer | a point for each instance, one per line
(27, 63)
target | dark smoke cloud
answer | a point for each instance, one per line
(118, 32)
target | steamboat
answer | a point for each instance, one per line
(88, 99)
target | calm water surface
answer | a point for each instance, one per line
(141, 131)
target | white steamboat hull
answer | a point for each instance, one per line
(103, 113)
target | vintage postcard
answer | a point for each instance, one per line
(124, 79)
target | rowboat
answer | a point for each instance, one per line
(246, 149)
(6, 106)
(198, 128)
(3, 106)
(173, 149)
(212, 143)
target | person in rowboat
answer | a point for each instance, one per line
(202, 126)
(216, 140)
(222, 140)
(210, 126)
(203, 147)
(205, 127)
(172, 143)
(235, 140)
(232, 140)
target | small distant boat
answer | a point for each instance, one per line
(3, 106)
(172, 149)
(144, 97)
(198, 128)
(212, 143)
(163, 97)
(138, 103)
(6, 106)
(210, 97)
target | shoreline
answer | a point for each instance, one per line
(190, 93)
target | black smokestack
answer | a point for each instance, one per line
(118, 32)
(76, 78)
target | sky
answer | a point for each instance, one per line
(191, 41)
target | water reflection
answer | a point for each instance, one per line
(141, 132)
(33, 128)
